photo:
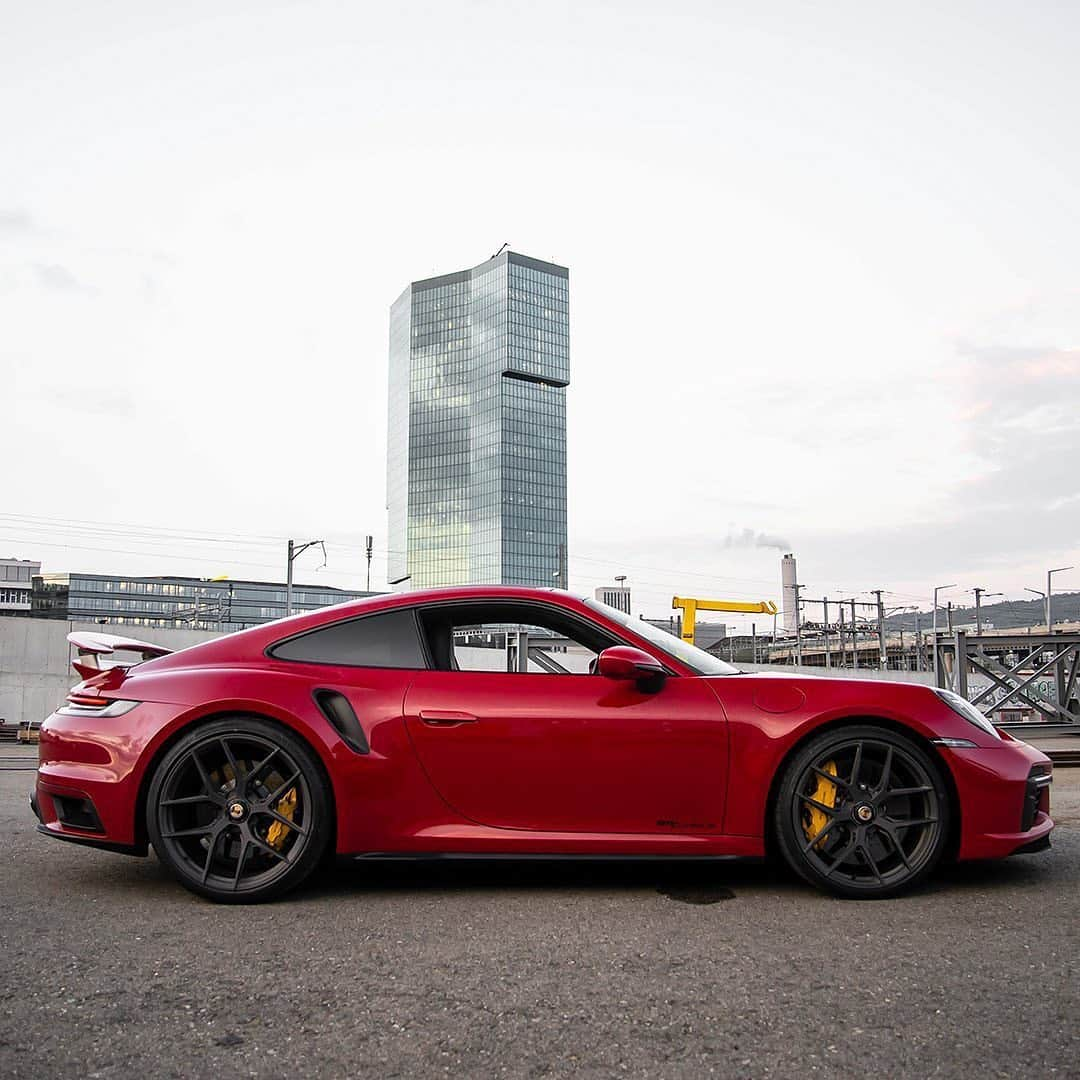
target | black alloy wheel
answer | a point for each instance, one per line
(863, 812)
(238, 810)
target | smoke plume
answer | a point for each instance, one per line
(748, 538)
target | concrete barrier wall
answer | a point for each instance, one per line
(36, 671)
(923, 678)
(35, 661)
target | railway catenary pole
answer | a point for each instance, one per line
(825, 629)
(295, 551)
(883, 656)
(937, 589)
(798, 625)
(980, 592)
(288, 579)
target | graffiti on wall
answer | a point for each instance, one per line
(1042, 689)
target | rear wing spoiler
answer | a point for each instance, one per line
(92, 647)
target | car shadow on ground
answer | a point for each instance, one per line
(689, 881)
(545, 874)
(700, 881)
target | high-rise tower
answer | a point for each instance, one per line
(476, 461)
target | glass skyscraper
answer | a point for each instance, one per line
(476, 461)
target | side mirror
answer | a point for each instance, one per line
(626, 662)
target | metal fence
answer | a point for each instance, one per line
(1036, 672)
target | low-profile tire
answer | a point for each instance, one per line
(238, 810)
(862, 811)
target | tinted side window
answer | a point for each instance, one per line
(387, 640)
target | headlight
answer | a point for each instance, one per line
(968, 711)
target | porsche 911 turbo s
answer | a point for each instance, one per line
(500, 721)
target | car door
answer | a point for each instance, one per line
(572, 752)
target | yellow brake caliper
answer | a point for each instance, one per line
(286, 807)
(814, 820)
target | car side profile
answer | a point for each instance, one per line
(501, 721)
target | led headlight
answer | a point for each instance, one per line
(968, 711)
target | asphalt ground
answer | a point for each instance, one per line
(109, 969)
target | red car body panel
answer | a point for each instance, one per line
(572, 753)
(504, 763)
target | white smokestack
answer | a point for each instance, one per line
(787, 582)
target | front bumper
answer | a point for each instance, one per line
(1004, 798)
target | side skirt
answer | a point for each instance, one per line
(461, 856)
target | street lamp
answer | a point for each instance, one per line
(1049, 617)
(1035, 592)
(937, 589)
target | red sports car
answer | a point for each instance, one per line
(497, 721)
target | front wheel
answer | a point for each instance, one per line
(863, 812)
(238, 810)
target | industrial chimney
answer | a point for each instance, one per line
(788, 597)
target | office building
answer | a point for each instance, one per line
(616, 596)
(16, 585)
(706, 634)
(476, 459)
(175, 601)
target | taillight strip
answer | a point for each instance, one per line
(88, 699)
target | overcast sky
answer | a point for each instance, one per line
(824, 278)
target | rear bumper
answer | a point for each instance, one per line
(1004, 795)
(56, 829)
(88, 777)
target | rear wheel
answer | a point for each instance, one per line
(862, 811)
(238, 810)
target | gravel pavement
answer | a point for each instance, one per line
(109, 969)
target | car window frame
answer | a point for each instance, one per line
(513, 602)
(425, 651)
(429, 664)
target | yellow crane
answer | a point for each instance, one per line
(689, 606)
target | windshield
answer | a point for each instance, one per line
(702, 662)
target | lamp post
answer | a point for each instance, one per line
(1049, 615)
(1035, 592)
(937, 589)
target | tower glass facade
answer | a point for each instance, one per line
(476, 466)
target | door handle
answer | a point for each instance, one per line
(445, 717)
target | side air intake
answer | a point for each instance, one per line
(336, 708)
